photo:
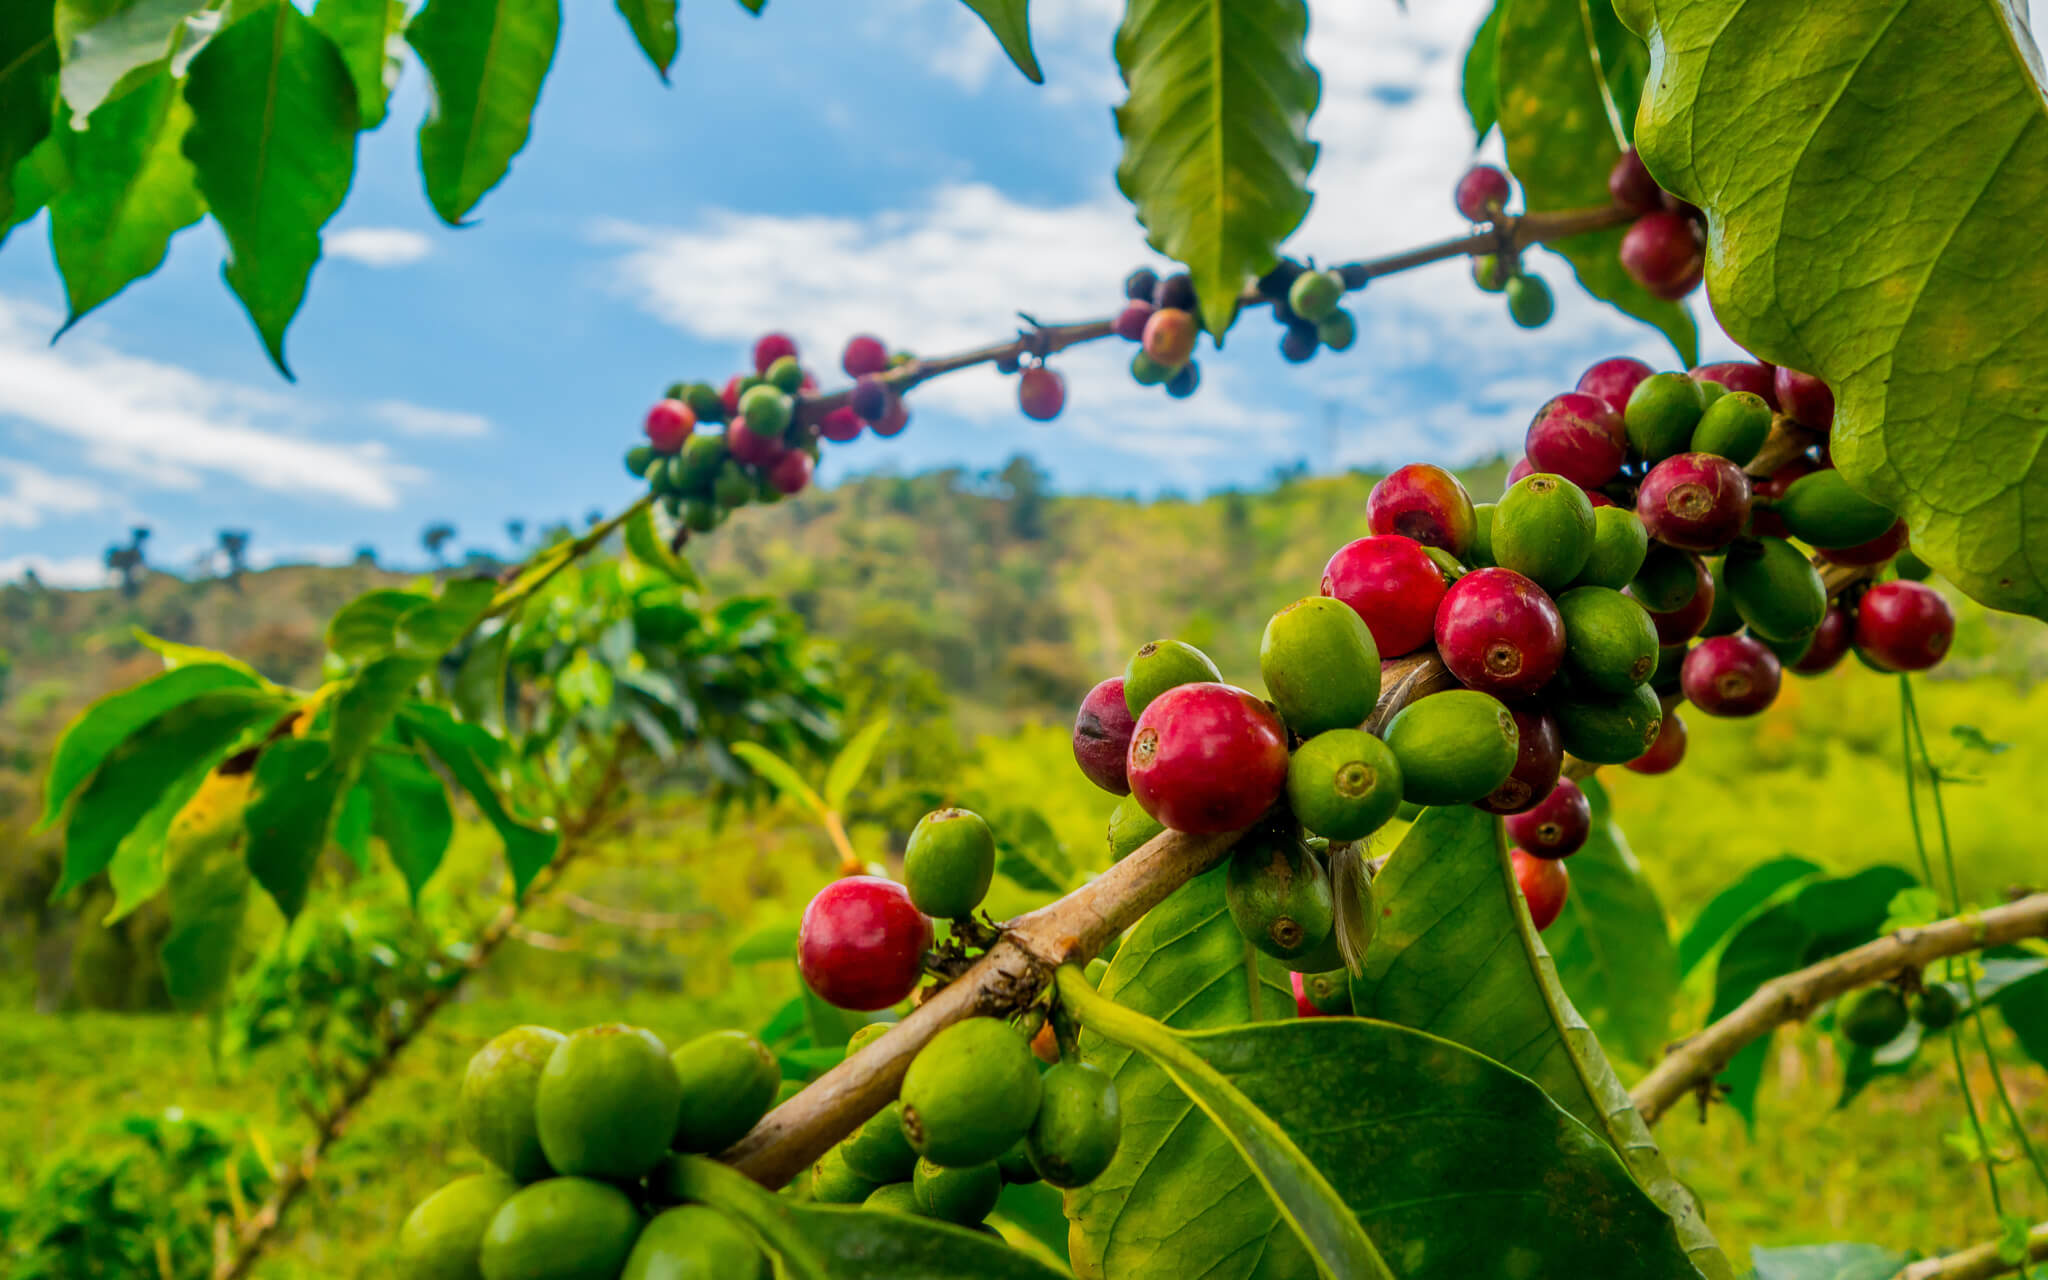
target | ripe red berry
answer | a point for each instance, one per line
(861, 944)
(669, 423)
(1169, 336)
(730, 397)
(751, 447)
(1304, 1007)
(1041, 393)
(1630, 185)
(791, 472)
(871, 398)
(1614, 379)
(1207, 758)
(1499, 633)
(1482, 192)
(1694, 501)
(770, 347)
(1557, 826)
(1577, 436)
(1904, 626)
(1665, 753)
(1544, 883)
(1538, 760)
(840, 426)
(1425, 503)
(1663, 252)
(1805, 399)
(893, 422)
(1394, 586)
(1876, 551)
(1130, 322)
(1730, 676)
(1102, 736)
(1830, 644)
(864, 353)
(1740, 375)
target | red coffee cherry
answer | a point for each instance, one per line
(1499, 633)
(1538, 760)
(1481, 193)
(1425, 503)
(1694, 501)
(1557, 827)
(1207, 758)
(1830, 644)
(1544, 884)
(1394, 586)
(1614, 379)
(840, 426)
(669, 423)
(1904, 626)
(1805, 399)
(862, 944)
(770, 347)
(1102, 736)
(864, 353)
(1577, 436)
(1665, 753)
(1730, 676)
(1041, 393)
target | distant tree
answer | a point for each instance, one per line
(234, 544)
(1024, 484)
(515, 529)
(436, 539)
(593, 517)
(366, 556)
(128, 561)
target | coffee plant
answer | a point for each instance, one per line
(1340, 987)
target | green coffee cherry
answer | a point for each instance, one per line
(1148, 372)
(1543, 529)
(639, 458)
(1480, 554)
(878, 1150)
(1489, 272)
(1610, 644)
(1446, 564)
(1095, 971)
(1529, 302)
(1938, 1006)
(699, 516)
(704, 401)
(1822, 511)
(1278, 893)
(1711, 391)
(766, 411)
(1079, 1124)
(696, 469)
(1725, 620)
(1016, 1165)
(694, 1240)
(1315, 294)
(866, 1036)
(1620, 545)
(832, 1182)
(1129, 828)
(1661, 414)
(607, 1102)
(1329, 992)
(1611, 728)
(496, 1106)
(1670, 663)
(1911, 567)
(1787, 651)
(1667, 581)
(1344, 784)
(1320, 665)
(561, 1229)
(1876, 1017)
(440, 1238)
(1337, 330)
(1776, 589)
(1453, 747)
(949, 863)
(734, 488)
(728, 1081)
(1734, 426)
(964, 1196)
(785, 375)
(970, 1093)
(897, 1197)
(1163, 665)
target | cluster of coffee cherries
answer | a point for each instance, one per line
(582, 1132)
(1880, 1015)
(1305, 301)
(765, 453)
(1665, 248)
(1482, 195)
(1159, 315)
(983, 1103)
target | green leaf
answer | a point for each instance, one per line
(654, 26)
(851, 762)
(1611, 944)
(1862, 1065)
(479, 692)
(754, 6)
(104, 43)
(102, 726)
(291, 816)
(1561, 140)
(1029, 851)
(207, 886)
(431, 629)
(186, 655)
(1829, 1262)
(1825, 918)
(367, 32)
(769, 942)
(352, 826)
(273, 139)
(647, 546)
(1730, 907)
(1186, 964)
(367, 626)
(2024, 1007)
(1215, 129)
(487, 59)
(1931, 344)
(471, 757)
(364, 708)
(28, 76)
(412, 816)
(1456, 956)
(138, 868)
(1481, 87)
(1010, 22)
(136, 774)
(38, 178)
(780, 774)
(1429, 1140)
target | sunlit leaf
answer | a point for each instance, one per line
(103, 725)
(367, 626)
(364, 708)
(368, 34)
(412, 817)
(207, 886)
(291, 816)
(487, 59)
(1611, 943)
(106, 43)
(1480, 88)
(647, 546)
(470, 756)
(780, 774)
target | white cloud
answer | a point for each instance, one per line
(171, 428)
(380, 247)
(418, 420)
(29, 493)
(56, 571)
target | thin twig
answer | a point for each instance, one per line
(1979, 1262)
(1792, 996)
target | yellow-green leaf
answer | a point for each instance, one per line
(487, 59)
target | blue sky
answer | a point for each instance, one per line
(825, 169)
